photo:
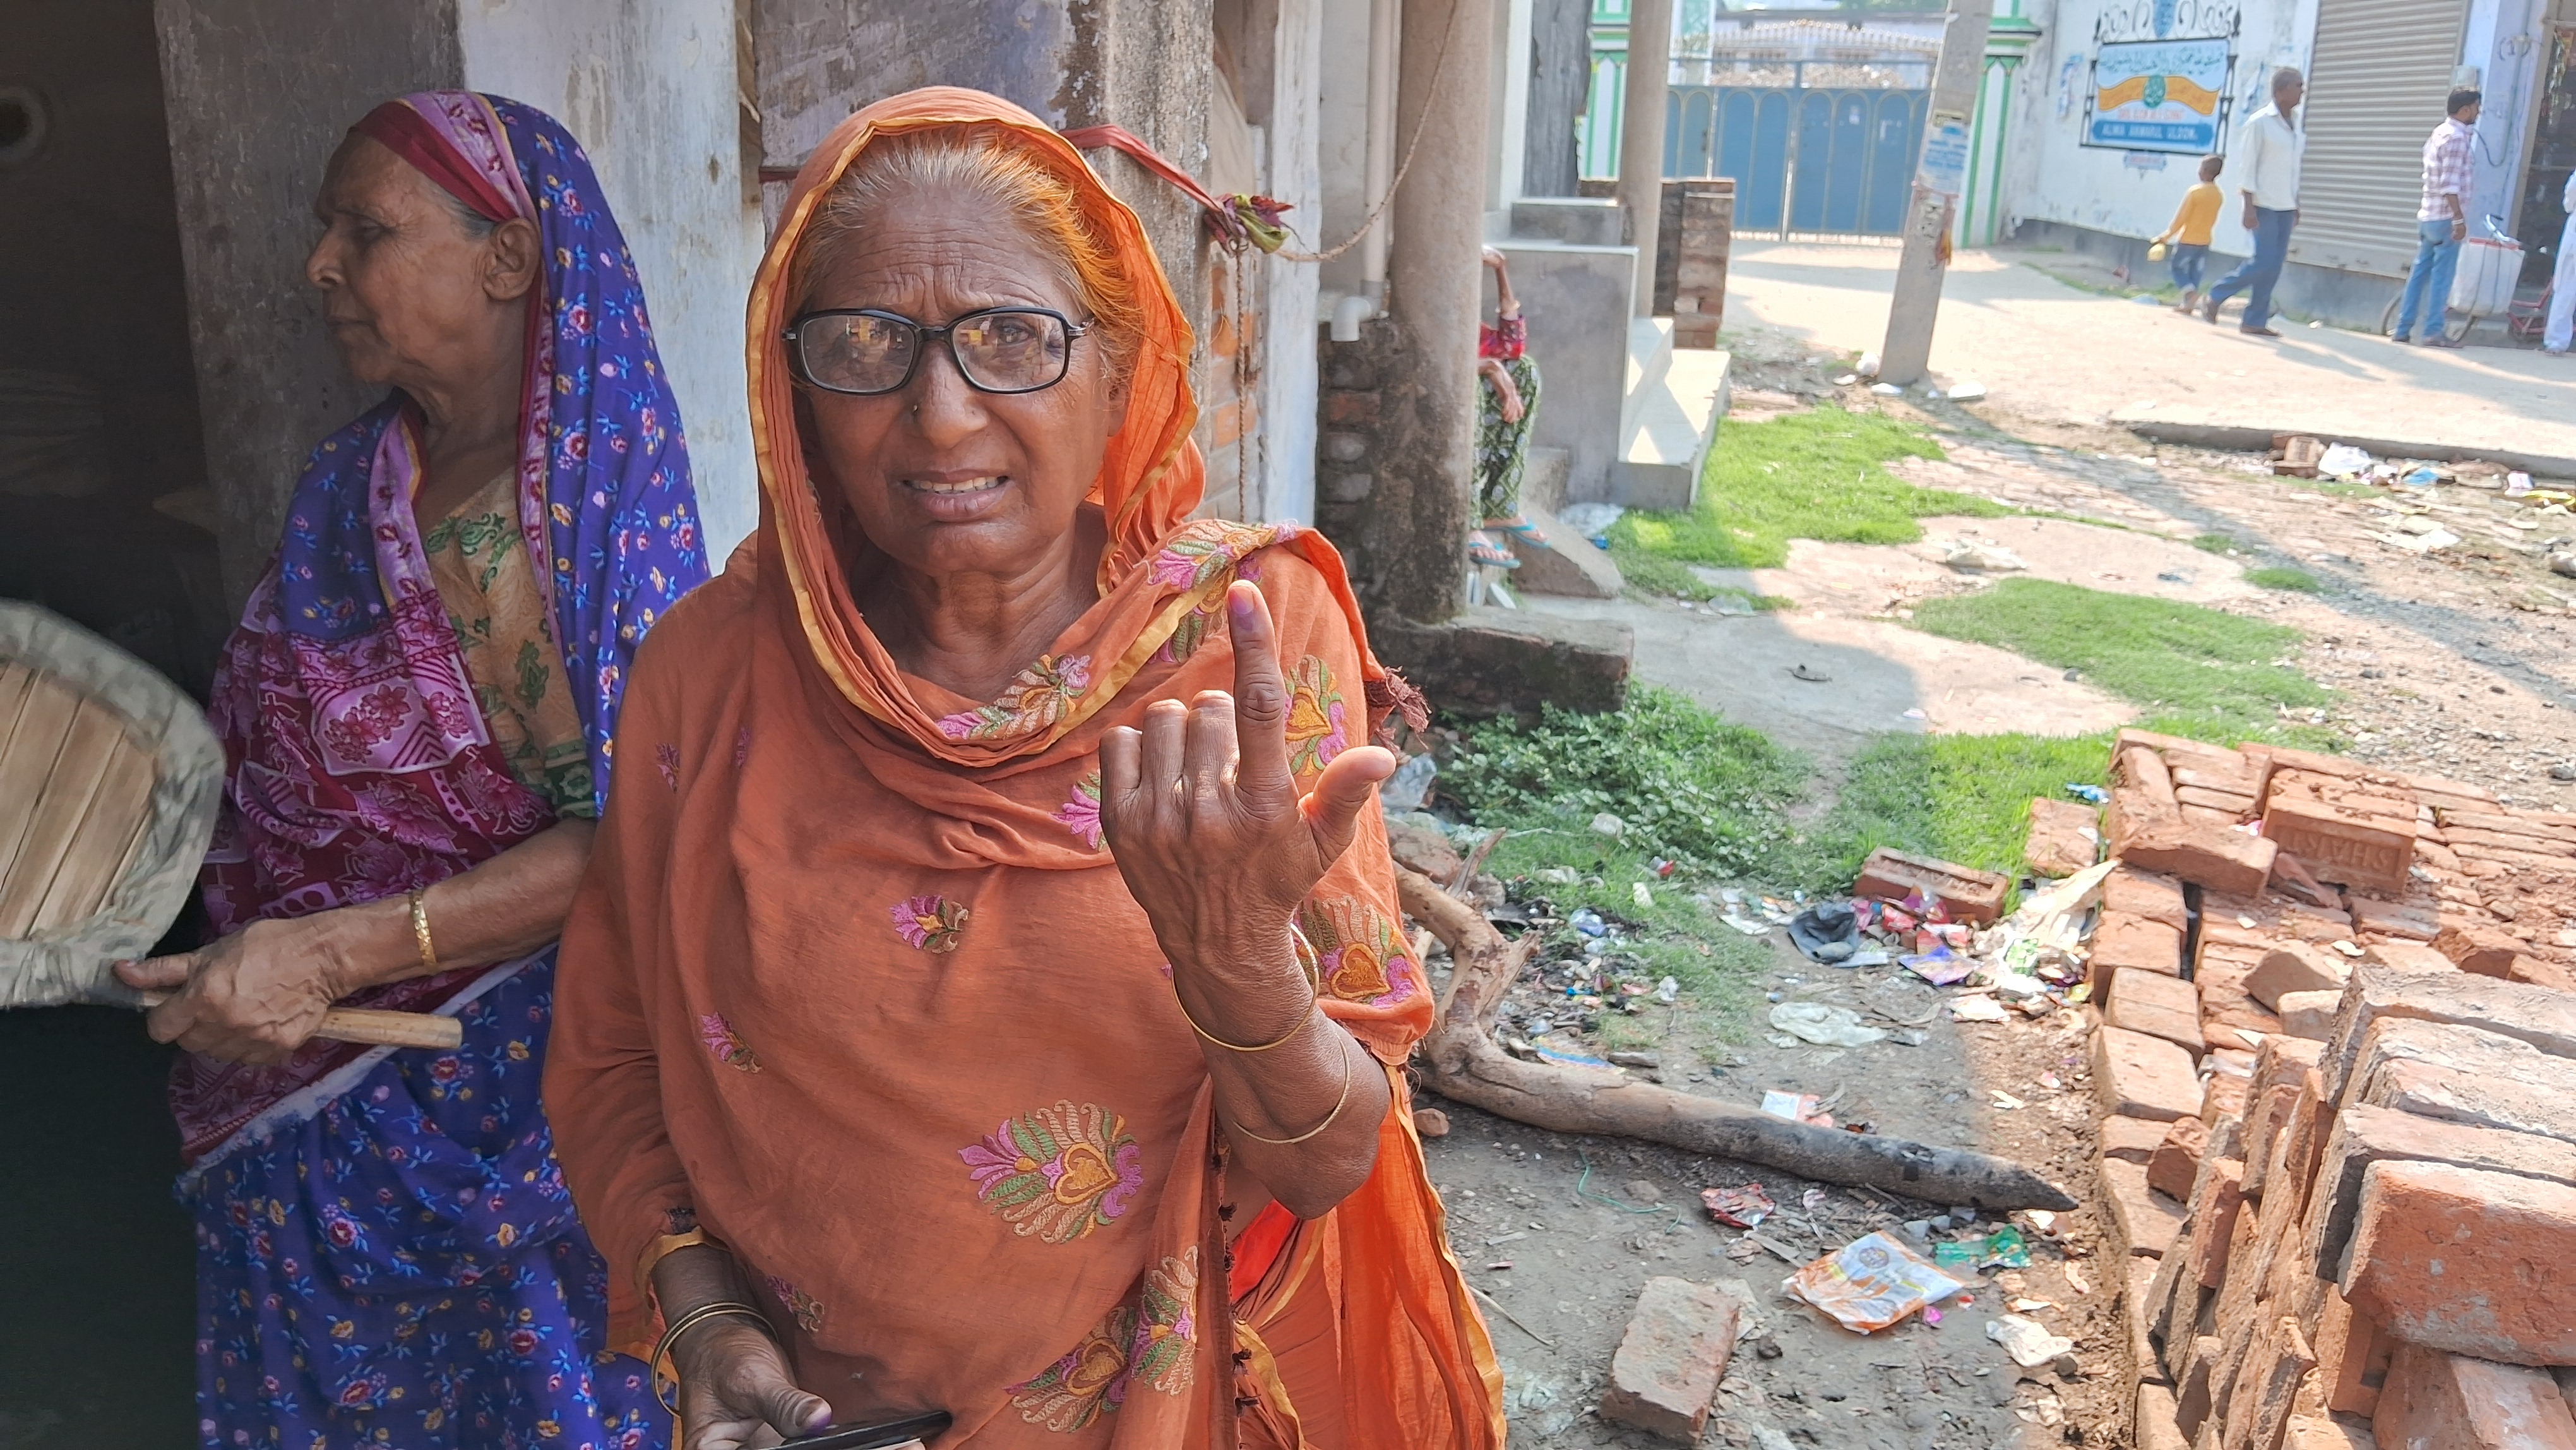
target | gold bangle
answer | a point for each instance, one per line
(712, 1309)
(420, 930)
(665, 1246)
(1329, 1119)
(1311, 1004)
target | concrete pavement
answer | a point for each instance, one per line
(2049, 350)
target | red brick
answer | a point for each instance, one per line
(2408, 956)
(2234, 777)
(2143, 1222)
(2467, 1261)
(2352, 1357)
(2266, 1386)
(2131, 1140)
(1346, 405)
(2065, 837)
(1665, 1374)
(2125, 943)
(2194, 1387)
(2218, 1198)
(2462, 1074)
(2175, 1165)
(2408, 920)
(2223, 1096)
(2485, 950)
(2364, 1135)
(2227, 806)
(2137, 1314)
(2142, 1076)
(2155, 1426)
(1970, 895)
(2321, 1432)
(2234, 1021)
(2341, 839)
(2159, 1006)
(2309, 1015)
(2132, 892)
(2204, 853)
(2465, 839)
(2295, 967)
(2453, 1402)
(2543, 1018)
(2491, 818)
(2533, 971)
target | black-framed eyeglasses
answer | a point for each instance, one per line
(865, 352)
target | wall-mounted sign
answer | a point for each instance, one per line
(2160, 95)
(1945, 154)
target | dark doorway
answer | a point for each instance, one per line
(102, 519)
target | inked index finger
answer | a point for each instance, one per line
(1260, 695)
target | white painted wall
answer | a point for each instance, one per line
(1341, 136)
(648, 88)
(1289, 373)
(1507, 120)
(2508, 41)
(2057, 178)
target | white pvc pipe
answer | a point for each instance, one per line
(1348, 313)
(1384, 16)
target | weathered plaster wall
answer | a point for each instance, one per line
(1341, 136)
(1289, 371)
(258, 93)
(649, 89)
(2123, 193)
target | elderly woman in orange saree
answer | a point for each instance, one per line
(990, 997)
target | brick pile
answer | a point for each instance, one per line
(2336, 1057)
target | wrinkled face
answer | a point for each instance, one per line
(2289, 93)
(411, 296)
(944, 479)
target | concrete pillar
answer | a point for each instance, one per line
(1507, 105)
(1641, 137)
(1416, 530)
(1916, 296)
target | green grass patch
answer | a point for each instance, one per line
(2215, 543)
(1648, 572)
(1688, 785)
(2276, 576)
(1963, 798)
(1818, 474)
(2203, 666)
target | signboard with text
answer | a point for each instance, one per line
(2159, 95)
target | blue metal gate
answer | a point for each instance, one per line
(1831, 161)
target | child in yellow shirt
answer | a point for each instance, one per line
(2190, 231)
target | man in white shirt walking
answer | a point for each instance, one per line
(2441, 223)
(2268, 151)
(2562, 284)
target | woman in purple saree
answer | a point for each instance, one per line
(417, 712)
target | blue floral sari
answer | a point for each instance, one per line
(386, 1252)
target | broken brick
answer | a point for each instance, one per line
(1665, 1375)
(2144, 1222)
(2194, 1386)
(2159, 1006)
(2352, 1357)
(2456, 1402)
(2323, 1432)
(2124, 943)
(2484, 950)
(2223, 1096)
(2539, 972)
(2175, 1165)
(2155, 1426)
(2215, 1202)
(2295, 967)
(2133, 892)
(1970, 895)
(2204, 853)
(2143, 1077)
(2364, 1135)
(2225, 805)
(2543, 1018)
(2065, 837)
(2467, 1261)
(2267, 1385)
(2406, 920)
(2408, 956)
(2309, 1015)
(2131, 1140)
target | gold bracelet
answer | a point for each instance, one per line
(1329, 1119)
(420, 930)
(665, 1246)
(1282, 1041)
(712, 1309)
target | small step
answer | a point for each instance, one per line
(1650, 357)
(1578, 220)
(1561, 561)
(1661, 455)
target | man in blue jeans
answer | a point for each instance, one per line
(2268, 150)
(2441, 224)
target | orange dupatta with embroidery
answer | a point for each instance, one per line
(854, 985)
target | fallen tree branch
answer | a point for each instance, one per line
(1460, 1061)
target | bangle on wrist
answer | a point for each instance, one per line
(1309, 966)
(712, 1309)
(419, 903)
(1329, 1118)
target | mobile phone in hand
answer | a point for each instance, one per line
(878, 1436)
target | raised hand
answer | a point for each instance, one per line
(1205, 818)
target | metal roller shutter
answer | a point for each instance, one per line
(2375, 93)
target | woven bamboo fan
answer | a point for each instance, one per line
(109, 781)
(109, 778)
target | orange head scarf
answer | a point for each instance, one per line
(1150, 479)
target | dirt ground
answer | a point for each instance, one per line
(2453, 662)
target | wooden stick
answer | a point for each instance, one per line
(373, 1028)
(1460, 1061)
